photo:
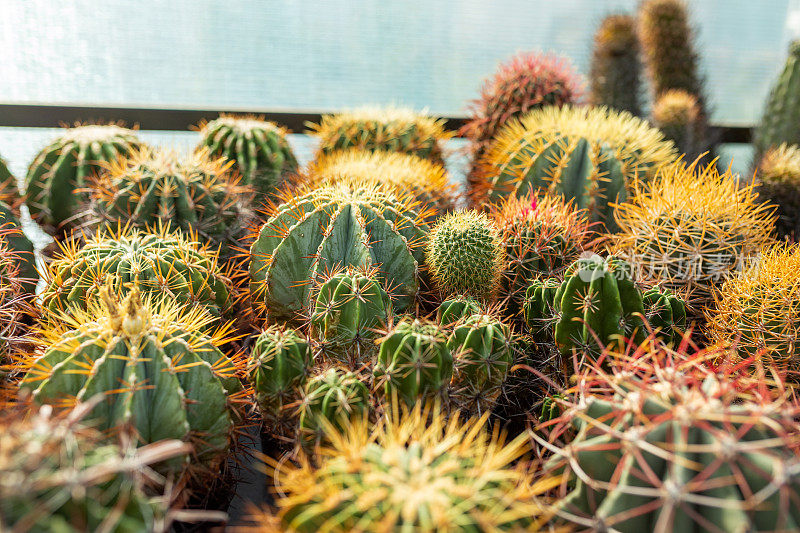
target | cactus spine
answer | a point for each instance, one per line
(615, 70)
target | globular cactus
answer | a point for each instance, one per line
(317, 230)
(330, 400)
(425, 180)
(158, 372)
(540, 310)
(482, 358)
(390, 129)
(350, 309)
(414, 362)
(429, 474)
(456, 309)
(155, 187)
(662, 442)
(615, 69)
(691, 229)
(59, 172)
(778, 182)
(279, 365)
(57, 475)
(591, 155)
(17, 242)
(15, 308)
(465, 255)
(160, 264)
(258, 148)
(665, 314)
(758, 310)
(781, 120)
(676, 113)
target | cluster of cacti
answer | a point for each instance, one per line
(591, 155)
(424, 179)
(692, 228)
(258, 148)
(465, 255)
(317, 230)
(778, 179)
(60, 173)
(615, 71)
(780, 123)
(389, 129)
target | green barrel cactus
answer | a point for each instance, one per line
(350, 310)
(665, 313)
(482, 358)
(65, 166)
(158, 373)
(780, 123)
(540, 309)
(257, 147)
(331, 399)
(456, 309)
(414, 362)
(319, 230)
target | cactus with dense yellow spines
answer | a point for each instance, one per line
(416, 471)
(426, 180)
(759, 309)
(590, 154)
(778, 178)
(390, 129)
(692, 228)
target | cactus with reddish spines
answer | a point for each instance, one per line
(778, 182)
(61, 170)
(665, 314)
(456, 309)
(15, 308)
(615, 69)
(780, 123)
(389, 129)
(258, 148)
(11, 229)
(330, 401)
(312, 231)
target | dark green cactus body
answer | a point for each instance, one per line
(331, 400)
(540, 310)
(20, 245)
(665, 313)
(551, 408)
(67, 164)
(481, 348)
(781, 121)
(456, 309)
(351, 308)
(414, 362)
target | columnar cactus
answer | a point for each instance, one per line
(778, 179)
(665, 314)
(390, 129)
(350, 309)
(456, 309)
(465, 255)
(158, 373)
(592, 155)
(676, 113)
(257, 147)
(317, 230)
(781, 121)
(330, 401)
(59, 172)
(615, 71)
(414, 362)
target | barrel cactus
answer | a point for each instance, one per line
(778, 179)
(615, 70)
(157, 370)
(414, 362)
(390, 129)
(330, 400)
(540, 309)
(161, 264)
(350, 309)
(465, 255)
(317, 230)
(591, 155)
(59, 172)
(18, 243)
(781, 120)
(676, 114)
(665, 443)
(665, 314)
(482, 358)
(15, 307)
(258, 148)
(456, 309)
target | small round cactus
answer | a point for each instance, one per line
(540, 310)
(778, 182)
(330, 401)
(456, 309)
(465, 255)
(665, 314)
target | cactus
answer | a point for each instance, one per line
(456, 309)
(160, 263)
(414, 362)
(258, 148)
(425, 180)
(350, 307)
(591, 155)
(390, 129)
(759, 309)
(665, 314)
(691, 229)
(465, 255)
(665, 443)
(540, 310)
(781, 121)
(154, 187)
(15, 307)
(482, 358)
(14, 239)
(428, 475)
(615, 70)
(278, 368)
(330, 400)
(676, 113)
(56, 475)
(157, 371)
(317, 230)
(59, 172)
(778, 179)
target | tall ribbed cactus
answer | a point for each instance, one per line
(778, 182)
(330, 401)
(781, 121)
(615, 71)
